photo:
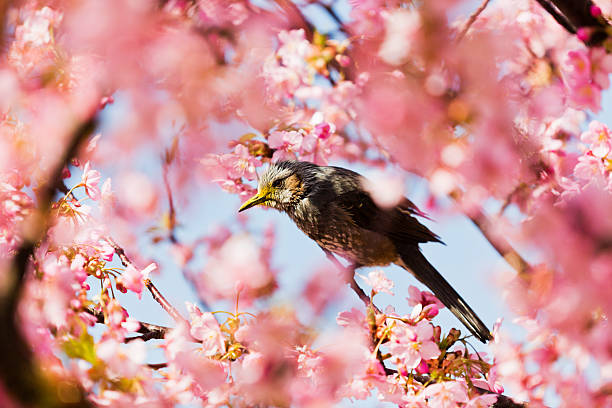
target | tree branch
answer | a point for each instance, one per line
(471, 20)
(501, 244)
(119, 251)
(159, 298)
(171, 209)
(556, 14)
(573, 15)
(147, 330)
(295, 18)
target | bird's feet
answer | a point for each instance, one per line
(349, 274)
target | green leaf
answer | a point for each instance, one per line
(81, 347)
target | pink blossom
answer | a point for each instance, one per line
(205, 328)
(238, 261)
(285, 142)
(107, 197)
(445, 394)
(240, 163)
(203, 371)
(601, 66)
(77, 266)
(378, 281)
(411, 344)
(482, 401)
(133, 279)
(424, 298)
(402, 26)
(221, 13)
(586, 95)
(36, 29)
(138, 194)
(578, 66)
(352, 318)
(385, 190)
(323, 287)
(106, 251)
(294, 48)
(588, 167)
(599, 138)
(90, 179)
(586, 73)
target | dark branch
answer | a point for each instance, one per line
(502, 400)
(18, 370)
(157, 366)
(119, 251)
(573, 15)
(556, 14)
(499, 243)
(295, 17)
(148, 331)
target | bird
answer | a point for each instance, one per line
(332, 207)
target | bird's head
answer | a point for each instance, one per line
(281, 186)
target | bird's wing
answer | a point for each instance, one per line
(397, 223)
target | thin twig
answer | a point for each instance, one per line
(119, 251)
(471, 20)
(295, 17)
(171, 210)
(149, 331)
(159, 298)
(349, 275)
(501, 244)
(332, 13)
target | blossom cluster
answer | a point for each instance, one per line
(492, 110)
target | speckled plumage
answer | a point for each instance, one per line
(330, 205)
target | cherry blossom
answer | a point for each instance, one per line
(412, 344)
(490, 112)
(133, 279)
(205, 327)
(379, 282)
(446, 395)
(90, 179)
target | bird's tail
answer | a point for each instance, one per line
(415, 262)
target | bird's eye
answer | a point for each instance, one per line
(277, 183)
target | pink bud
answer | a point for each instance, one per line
(422, 368)
(430, 311)
(343, 60)
(595, 11)
(106, 100)
(65, 173)
(239, 286)
(583, 34)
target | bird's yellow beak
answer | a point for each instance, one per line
(253, 201)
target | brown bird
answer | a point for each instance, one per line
(331, 206)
